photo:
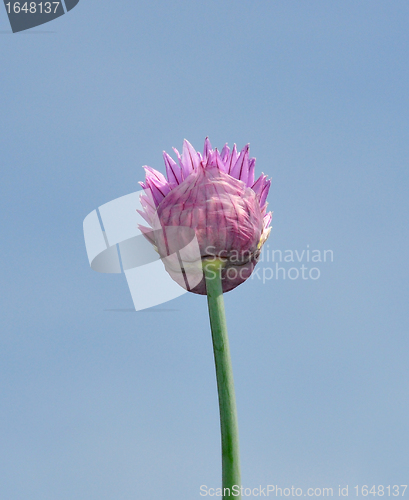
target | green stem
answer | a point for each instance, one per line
(225, 385)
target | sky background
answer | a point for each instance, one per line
(117, 405)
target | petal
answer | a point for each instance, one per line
(190, 159)
(207, 148)
(163, 188)
(217, 160)
(172, 170)
(252, 165)
(267, 219)
(148, 204)
(231, 160)
(147, 207)
(145, 216)
(146, 199)
(257, 187)
(225, 153)
(158, 191)
(240, 170)
(154, 174)
(264, 193)
(179, 159)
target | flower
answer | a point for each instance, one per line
(209, 207)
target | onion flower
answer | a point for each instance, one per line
(214, 198)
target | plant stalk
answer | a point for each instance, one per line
(231, 478)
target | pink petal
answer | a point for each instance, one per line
(207, 148)
(179, 159)
(264, 193)
(257, 187)
(145, 215)
(240, 170)
(267, 219)
(154, 174)
(172, 170)
(217, 160)
(252, 165)
(190, 159)
(225, 153)
(158, 192)
(232, 160)
(148, 204)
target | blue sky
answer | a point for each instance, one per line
(99, 404)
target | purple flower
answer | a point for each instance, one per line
(209, 207)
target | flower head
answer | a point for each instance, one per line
(209, 207)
